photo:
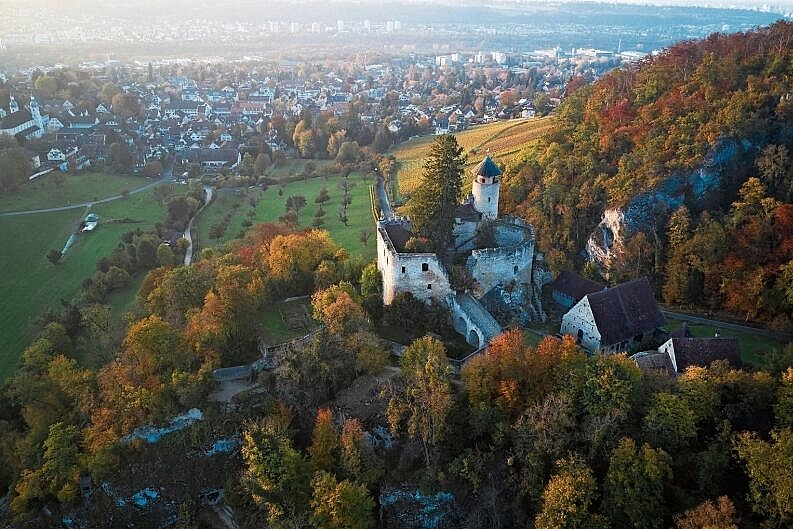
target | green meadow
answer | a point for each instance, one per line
(30, 283)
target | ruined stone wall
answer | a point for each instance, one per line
(421, 274)
(464, 235)
(500, 266)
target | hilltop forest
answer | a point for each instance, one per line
(722, 108)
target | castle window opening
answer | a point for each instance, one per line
(425, 267)
(488, 199)
(515, 269)
(429, 286)
(403, 269)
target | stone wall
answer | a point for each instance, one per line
(486, 198)
(465, 235)
(500, 266)
(421, 274)
(580, 318)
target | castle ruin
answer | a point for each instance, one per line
(506, 279)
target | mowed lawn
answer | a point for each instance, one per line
(30, 283)
(270, 206)
(86, 186)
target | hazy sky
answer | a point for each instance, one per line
(745, 4)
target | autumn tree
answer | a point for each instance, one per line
(261, 163)
(348, 152)
(295, 203)
(322, 299)
(783, 409)
(670, 422)
(293, 258)
(323, 197)
(276, 476)
(421, 409)
(568, 498)
(335, 140)
(769, 466)
(340, 504)
(634, 485)
(678, 232)
(358, 460)
(432, 205)
(776, 170)
(14, 169)
(709, 515)
(126, 104)
(324, 442)
(543, 434)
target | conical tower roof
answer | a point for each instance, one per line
(487, 168)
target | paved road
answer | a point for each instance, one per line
(166, 176)
(382, 198)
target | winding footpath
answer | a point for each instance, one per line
(166, 176)
(188, 255)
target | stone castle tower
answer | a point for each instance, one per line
(485, 188)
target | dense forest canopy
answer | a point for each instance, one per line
(723, 107)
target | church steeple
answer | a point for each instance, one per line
(13, 106)
(35, 113)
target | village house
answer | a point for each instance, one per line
(684, 350)
(616, 319)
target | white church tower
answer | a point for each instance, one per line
(13, 106)
(35, 113)
(486, 187)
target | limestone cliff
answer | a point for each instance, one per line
(650, 210)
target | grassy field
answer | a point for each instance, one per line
(270, 206)
(30, 283)
(500, 140)
(75, 189)
(276, 316)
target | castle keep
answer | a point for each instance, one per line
(505, 278)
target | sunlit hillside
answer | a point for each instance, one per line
(501, 140)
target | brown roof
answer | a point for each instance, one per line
(574, 285)
(625, 311)
(15, 119)
(399, 236)
(653, 361)
(467, 212)
(703, 351)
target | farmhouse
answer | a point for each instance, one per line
(615, 319)
(690, 351)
